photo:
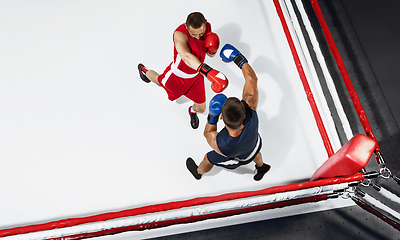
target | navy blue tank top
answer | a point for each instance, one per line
(242, 146)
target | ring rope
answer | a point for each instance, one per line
(207, 209)
(386, 193)
(303, 78)
(177, 205)
(328, 78)
(378, 204)
(389, 195)
(350, 88)
(374, 211)
(196, 218)
(311, 73)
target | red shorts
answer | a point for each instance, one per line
(193, 88)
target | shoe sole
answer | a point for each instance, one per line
(143, 77)
(192, 167)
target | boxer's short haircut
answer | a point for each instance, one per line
(195, 20)
(233, 112)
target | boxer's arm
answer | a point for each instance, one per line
(250, 89)
(182, 47)
(210, 133)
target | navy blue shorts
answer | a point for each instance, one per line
(229, 163)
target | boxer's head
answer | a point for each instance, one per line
(233, 112)
(196, 25)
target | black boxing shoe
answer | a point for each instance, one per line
(142, 74)
(192, 167)
(194, 120)
(261, 171)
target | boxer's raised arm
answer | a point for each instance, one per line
(250, 89)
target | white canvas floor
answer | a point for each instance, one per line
(82, 134)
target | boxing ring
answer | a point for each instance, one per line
(92, 151)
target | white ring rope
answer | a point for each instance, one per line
(181, 213)
(325, 71)
(390, 195)
(381, 206)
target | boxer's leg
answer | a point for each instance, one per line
(198, 171)
(153, 76)
(197, 94)
(199, 107)
(148, 75)
(258, 160)
(205, 166)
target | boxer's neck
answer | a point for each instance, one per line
(235, 132)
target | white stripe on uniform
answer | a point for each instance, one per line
(179, 73)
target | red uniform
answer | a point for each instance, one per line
(178, 78)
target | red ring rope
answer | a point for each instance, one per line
(339, 61)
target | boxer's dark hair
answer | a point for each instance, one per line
(195, 20)
(233, 112)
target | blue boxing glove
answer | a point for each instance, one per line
(229, 53)
(215, 108)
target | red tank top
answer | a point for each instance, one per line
(197, 48)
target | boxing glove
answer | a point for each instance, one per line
(215, 108)
(218, 80)
(229, 53)
(212, 43)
